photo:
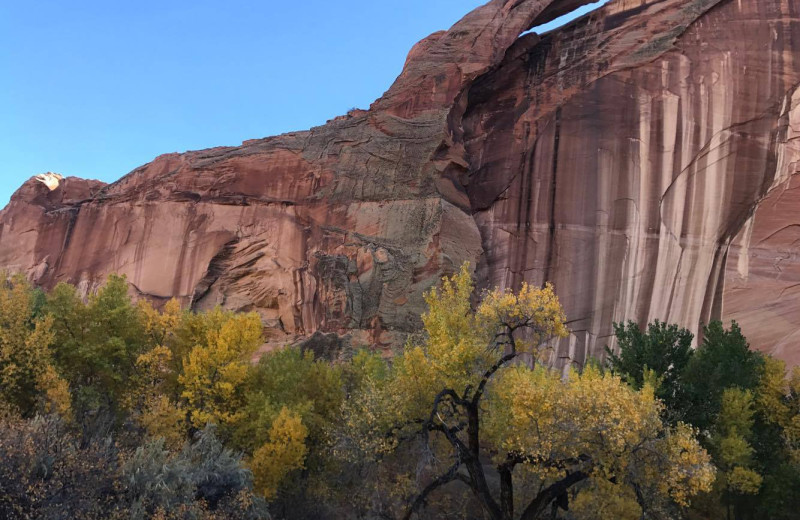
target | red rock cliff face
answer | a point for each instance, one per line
(643, 158)
(640, 159)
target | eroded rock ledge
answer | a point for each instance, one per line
(643, 158)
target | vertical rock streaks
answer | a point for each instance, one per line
(643, 158)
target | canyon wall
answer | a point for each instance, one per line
(642, 158)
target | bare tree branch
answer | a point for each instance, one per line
(550, 493)
(446, 478)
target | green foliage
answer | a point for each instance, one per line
(730, 441)
(27, 377)
(288, 378)
(746, 409)
(291, 402)
(131, 392)
(664, 349)
(724, 360)
(780, 492)
(465, 394)
(96, 344)
(364, 367)
(690, 384)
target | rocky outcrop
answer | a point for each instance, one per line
(50, 179)
(642, 158)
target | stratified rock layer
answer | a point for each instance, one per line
(643, 158)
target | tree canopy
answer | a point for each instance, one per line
(468, 393)
(115, 408)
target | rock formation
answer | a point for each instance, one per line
(643, 158)
(50, 179)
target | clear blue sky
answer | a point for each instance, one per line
(96, 88)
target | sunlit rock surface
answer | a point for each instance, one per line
(643, 158)
(49, 179)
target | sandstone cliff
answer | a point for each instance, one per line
(643, 158)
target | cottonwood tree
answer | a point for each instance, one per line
(96, 344)
(522, 440)
(731, 444)
(29, 383)
(291, 401)
(216, 368)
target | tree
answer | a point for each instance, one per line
(777, 440)
(731, 446)
(723, 360)
(153, 401)
(27, 375)
(729, 393)
(174, 330)
(288, 378)
(291, 401)
(161, 326)
(664, 349)
(216, 367)
(778, 400)
(463, 391)
(285, 451)
(96, 345)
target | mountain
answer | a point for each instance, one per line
(643, 158)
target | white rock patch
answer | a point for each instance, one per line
(49, 179)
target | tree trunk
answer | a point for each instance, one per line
(477, 477)
(539, 504)
(506, 492)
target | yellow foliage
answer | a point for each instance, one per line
(164, 418)
(459, 347)
(744, 481)
(589, 422)
(734, 425)
(595, 415)
(779, 402)
(284, 452)
(455, 346)
(538, 310)
(160, 325)
(26, 370)
(57, 398)
(148, 399)
(214, 371)
(772, 392)
(604, 500)
(536, 413)
(152, 367)
(689, 471)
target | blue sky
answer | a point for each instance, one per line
(94, 89)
